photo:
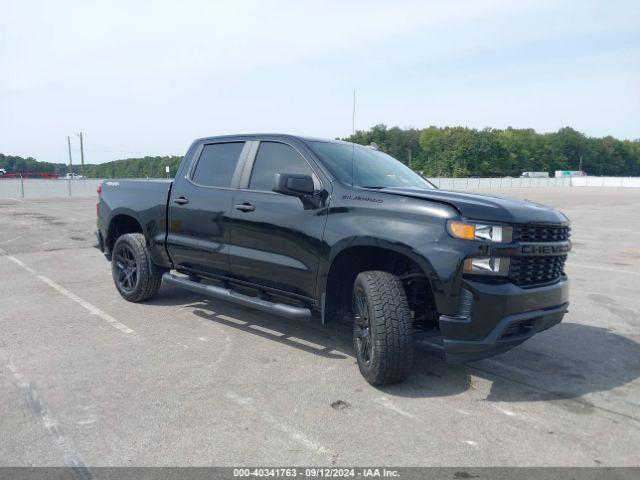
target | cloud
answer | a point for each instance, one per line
(150, 77)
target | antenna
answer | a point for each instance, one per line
(353, 116)
(353, 134)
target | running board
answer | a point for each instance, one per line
(296, 313)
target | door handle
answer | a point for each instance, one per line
(245, 207)
(181, 200)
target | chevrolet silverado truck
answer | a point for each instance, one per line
(311, 228)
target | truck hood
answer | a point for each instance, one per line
(486, 207)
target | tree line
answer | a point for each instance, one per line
(15, 164)
(433, 151)
(152, 167)
(460, 151)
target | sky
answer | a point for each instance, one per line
(147, 78)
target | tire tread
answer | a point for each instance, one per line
(393, 330)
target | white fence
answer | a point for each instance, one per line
(509, 182)
(627, 182)
(40, 188)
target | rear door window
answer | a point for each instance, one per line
(217, 163)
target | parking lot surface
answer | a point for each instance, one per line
(89, 379)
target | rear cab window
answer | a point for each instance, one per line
(217, 164)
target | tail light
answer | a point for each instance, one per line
(99, 190)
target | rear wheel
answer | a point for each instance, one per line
(131, 268)
(382, 328)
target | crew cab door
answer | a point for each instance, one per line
(200, 208)
(275, 238)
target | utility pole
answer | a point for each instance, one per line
(409, 158)
(81, 155)
(70, 159)
(580, 167)
(70, 164)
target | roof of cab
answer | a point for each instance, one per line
(250, 136)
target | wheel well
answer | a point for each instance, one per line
(351, 261)
(121, 224)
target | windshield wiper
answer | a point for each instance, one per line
(375, 187)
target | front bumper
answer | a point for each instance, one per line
(499, 317)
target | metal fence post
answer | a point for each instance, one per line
(22, 185)
(69, 185)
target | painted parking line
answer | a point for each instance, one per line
(293, 433)
(71, 457)
(92, 309)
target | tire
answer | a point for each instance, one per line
(382, 328)
(131, 268)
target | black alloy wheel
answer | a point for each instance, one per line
(136, 277)
(127, 268)
(362, 327)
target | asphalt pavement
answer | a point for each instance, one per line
(87, 378)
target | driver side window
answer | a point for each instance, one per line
(272, 158)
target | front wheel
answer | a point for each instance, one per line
(382, 328)
(131, 268)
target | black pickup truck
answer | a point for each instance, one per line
(306, 228)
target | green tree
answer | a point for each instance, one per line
(435, 151)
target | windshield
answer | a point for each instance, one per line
(371, 168)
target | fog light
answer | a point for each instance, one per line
(487, 266)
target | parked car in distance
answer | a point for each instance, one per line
(72, 176)
(2, 172)
(534, 175)
(311, 228)
(569, 173)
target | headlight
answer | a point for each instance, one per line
(482, 232)
(487, 266)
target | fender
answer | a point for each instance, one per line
(123, 211)
(413, 227)
(441, 288)
(153, 232)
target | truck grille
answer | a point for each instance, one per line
(528, 271)
(540, 233)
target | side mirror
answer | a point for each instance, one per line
(293, 184)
